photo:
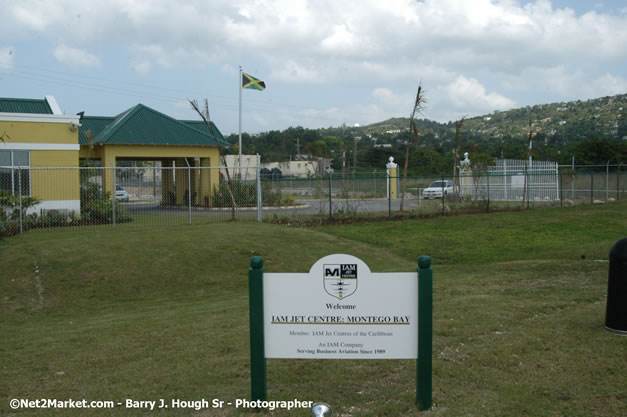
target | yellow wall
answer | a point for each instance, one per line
(38, 132)
(53, 159)
(54, 184)
(48, 184)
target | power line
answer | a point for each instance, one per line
(170, 95)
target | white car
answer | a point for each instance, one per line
(120, 193)
(438, 188)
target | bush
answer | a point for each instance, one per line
(245, 195)
(10, 213)
(100, 211)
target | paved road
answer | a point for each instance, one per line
(302, 207)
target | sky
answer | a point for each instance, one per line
(325, 62)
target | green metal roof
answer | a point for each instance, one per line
(24, 105)
(93, 124)
(141, 125)
(202, 126)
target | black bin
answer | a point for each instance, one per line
(616, 313)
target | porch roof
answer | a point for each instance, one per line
(142, 125)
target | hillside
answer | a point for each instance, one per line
(591, 131)
(568, 121)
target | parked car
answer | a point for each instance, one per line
(120, 193)
(438, 188)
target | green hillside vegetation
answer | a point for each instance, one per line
(591, 131)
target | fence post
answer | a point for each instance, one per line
(617, 182)
(353, 183)
(374, 176)
(189, 191)
(113, 189)
(572, 183)
(259, 191)
(19, 193)
(330, 200)
(488, 182)
(561, 191)
(592, 188)
(258, 387)
(425, 334)
(527, 184)
(443, 210)
(389, 197)
(607, 181)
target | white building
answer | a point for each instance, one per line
(247, 171)
(301, 169)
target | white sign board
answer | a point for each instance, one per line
(341, 310)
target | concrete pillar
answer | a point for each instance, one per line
(392, 170)
(167, 182)
(180, 179)
(108, 161)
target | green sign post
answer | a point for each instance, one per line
(425, 333)
(257, 349)
(347, 275)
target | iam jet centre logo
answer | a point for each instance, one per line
(340, 280)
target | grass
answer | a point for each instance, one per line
(162, 313)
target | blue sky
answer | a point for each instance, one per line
(325, 63)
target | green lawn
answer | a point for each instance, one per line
(111, 314)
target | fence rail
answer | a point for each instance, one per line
(46, 198)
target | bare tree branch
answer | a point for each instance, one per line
(419, 104)
(204, 114)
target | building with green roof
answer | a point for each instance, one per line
(37, 134)
(141, 133)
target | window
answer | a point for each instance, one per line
(15, 172)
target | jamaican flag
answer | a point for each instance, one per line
(248, 81)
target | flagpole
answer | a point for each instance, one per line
(239, 145)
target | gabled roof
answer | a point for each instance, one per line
(24, 105)
(94, 125)
(141, 125)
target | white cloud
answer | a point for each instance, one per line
(508, 52)
(479, 34)
(470, 95)
(609, 85)
(76, 57)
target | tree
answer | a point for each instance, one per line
(597, 151)
(479, 163)
(318, 148)
(413, 135)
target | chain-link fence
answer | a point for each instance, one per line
(127, 197)
(123, 197)
(336, 197)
